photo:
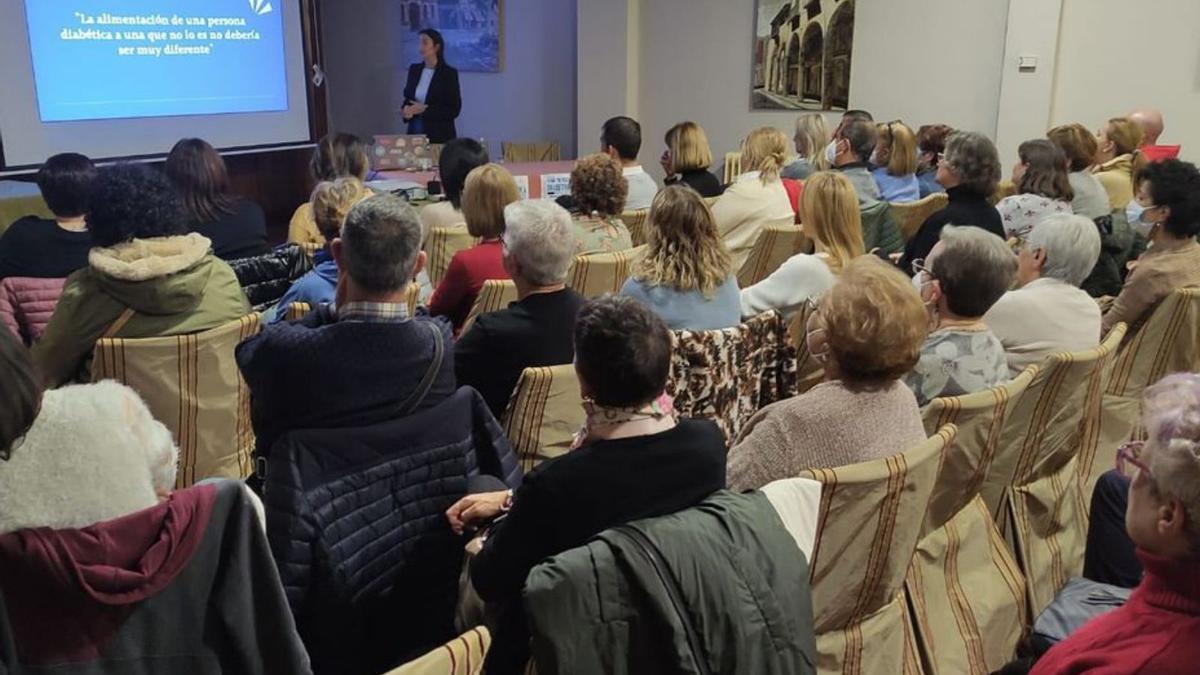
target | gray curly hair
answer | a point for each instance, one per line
(974, 159)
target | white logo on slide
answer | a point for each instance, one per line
(260, 7)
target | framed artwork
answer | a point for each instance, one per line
(802, 52)
(473, 31)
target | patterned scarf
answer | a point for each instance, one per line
(605, 423)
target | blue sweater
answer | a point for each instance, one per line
(897, 188)
(317, 287)
(690, 310)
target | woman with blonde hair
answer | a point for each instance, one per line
(688, 158)
(338, 155)
(1118, 159)
(895, 161)
(812, 135)
(758, 197)
(487, 190)
(829, 211)
(687, 275)
(599, 190)
(867, 332)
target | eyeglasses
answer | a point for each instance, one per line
(918, 266)
(1129, 463)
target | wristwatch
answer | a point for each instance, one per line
(508, 503)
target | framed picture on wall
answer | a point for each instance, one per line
(802, 52)
(473, 30)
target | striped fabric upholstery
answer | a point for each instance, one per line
(910, 215)
(1094, 456)
(543, 414)
(310, 248)
(443, 243)
(635, 222)
(867, 532)
(496, 294)
(191, 384)
(809, 372)
(595, 274)
(775, 244)
(710, 201)
(298, 310)
(733, 166)
(536, 151)
(412, 295)
(461, 656)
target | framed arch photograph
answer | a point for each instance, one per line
(802, 52)
(473, 30)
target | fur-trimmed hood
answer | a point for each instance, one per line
(162, 275)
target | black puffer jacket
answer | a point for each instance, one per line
(267, 277)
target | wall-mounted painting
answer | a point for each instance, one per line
(473, 30)
(802, 51)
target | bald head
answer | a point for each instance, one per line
(1151, 122)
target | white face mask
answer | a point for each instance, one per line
(1136, 213)
(831, 152)
(874, 159)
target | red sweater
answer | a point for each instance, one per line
(464, 277)
(1156, 632)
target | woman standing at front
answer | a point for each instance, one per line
(432, 99)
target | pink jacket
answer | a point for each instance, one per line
(26, 305)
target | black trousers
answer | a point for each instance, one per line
(509, 653)
(1110, 557)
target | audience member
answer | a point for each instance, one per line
(966, 273)
(1151, 122)
(1043, 189)
(688, 159)
(852, 145)
(1079, 145)
(686, 276)
(1118, 159)
(1047, 313)
(599, 194)
(489, 189)
(331, 201)
(236, 226)
(853, 115)
(829, 211)
(867, 333)
(621, 139)
(537, 329)
(75, 456)
(757, 198)
(1156, 630)
(147, 276)
(1169, 193)
(338, 155)
(363, 360)
(970, 171)
(633, 460)
(931, 143)
(52, 249)
(895, 157)
(811, 138)
(459, 157)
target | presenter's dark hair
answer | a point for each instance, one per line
(133, 201)
(66, 184)
(340, 155)
(459, 157)
(624, 134)
(199, 174)
(436, 38)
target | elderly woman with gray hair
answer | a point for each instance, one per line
(1047, 312)
(966, 273)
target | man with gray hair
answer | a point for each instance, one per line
(1047, 312)
(538, 329)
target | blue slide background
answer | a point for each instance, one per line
(88, 80)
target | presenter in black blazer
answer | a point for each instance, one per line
(432, 100)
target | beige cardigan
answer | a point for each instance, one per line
(1161, 270)
(746, 208)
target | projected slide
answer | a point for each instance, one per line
(110, 59)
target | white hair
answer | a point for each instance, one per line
(540, 237)
(1071, 243)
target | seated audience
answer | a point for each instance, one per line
(853, 115)
(931, 143)
(757, 198)
(895, 157)
(1043, 188)
(459, 157)
(1169, 193)
(811, 138)
(598, 191)
(489, 189)
(633, 459)
(537, 329)
(852, 146)
(236, 226)
(362, 360)
(1156, 630)
(966, 273)
(52, 249)
(621, 139)
(866, 332)
(330, 204)
(1079, 145)
(829, 211)
(970, 171)
(1151, 122)
(146, 277)
(686, 276)
(78, 455)
(688, 158)
(1118, 159)
(1047, 313)
(338, 155)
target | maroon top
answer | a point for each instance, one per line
(464, 277)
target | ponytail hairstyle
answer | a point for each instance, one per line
(812, 135)
(1126, 136)
(900, 145)
(765, 151)
(1046, 172)
(830, 213)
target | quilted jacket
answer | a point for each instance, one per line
(26, 305)
(265, 278)
(356, 522)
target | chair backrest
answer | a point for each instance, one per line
(635, 222)
(1004, 188)
(544, 413)
(910, 215)
(733, 166)
(774, 245)
(711, 201)
(595, 274)
(298, 310)
(443, 243)
(869, 526)
(535, 151)
(1092, 462)
(809, 372)
(496, 294)
(1167, 342)
(463, 655)
(26, 305)
(192, 384)
(412, 296)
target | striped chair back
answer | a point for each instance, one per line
(774, 245)
(910, 215)
(545, 411)
(733, 166)
(192, 384)
(298, 310)
(496, 294)
(595, 274)
(536, 151)
(710, 201)
(412, 295)
(867, 531)
(463, 655)
(1004, 188)
(809, 371)
(635, 222)
(443, 243)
